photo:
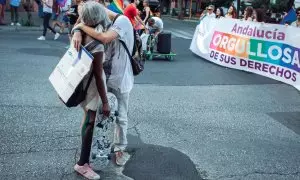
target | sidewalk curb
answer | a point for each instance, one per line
(20, 28)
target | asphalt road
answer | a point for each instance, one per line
(189, 118)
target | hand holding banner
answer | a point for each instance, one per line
(265, 49)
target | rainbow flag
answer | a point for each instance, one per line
(290, 17)
(61, 3)
(116, 6)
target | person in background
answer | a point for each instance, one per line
(146, 13)
(210, 11)
(40, 8)
(64, 10)
(29, 8)
(248, 14)
(219, 13)
(73, 16)
(138, 19)
(231, 12)
(172, 7)
(297, 22)
(203, 14)
(125, 4)
(259, 15)
(132, 13)
(14, 5)
(2, 9)
(62, 20)
(154, 26)
(93, 15)
(106, 3)
(55, 13)
(47, 9)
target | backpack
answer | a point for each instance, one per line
(137, 57)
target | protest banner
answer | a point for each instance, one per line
(266, 49)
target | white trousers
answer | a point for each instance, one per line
(120, 139)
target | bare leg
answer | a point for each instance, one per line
(87, 137)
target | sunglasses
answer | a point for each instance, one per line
(298, 13)
(210, 9)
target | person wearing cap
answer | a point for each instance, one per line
(210, 11)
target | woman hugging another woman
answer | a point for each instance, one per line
(92, 14)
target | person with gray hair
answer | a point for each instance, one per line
(118, 71)
(92, 14)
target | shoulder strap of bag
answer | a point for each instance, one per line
(116, 17)
(134, 45)
(88, 83)
(122, 42)
(124, 45)
(90, 46)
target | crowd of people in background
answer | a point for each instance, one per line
(56, 15)
(249, 14)
(60, 15)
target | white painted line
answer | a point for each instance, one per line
(181, 34)
(189, 34)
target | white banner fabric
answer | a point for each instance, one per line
(269, 50)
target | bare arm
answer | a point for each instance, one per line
(98, 73)
(147, 14)
(104, 37)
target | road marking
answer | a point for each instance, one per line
(181, 34)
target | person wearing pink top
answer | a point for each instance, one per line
(47, 9)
